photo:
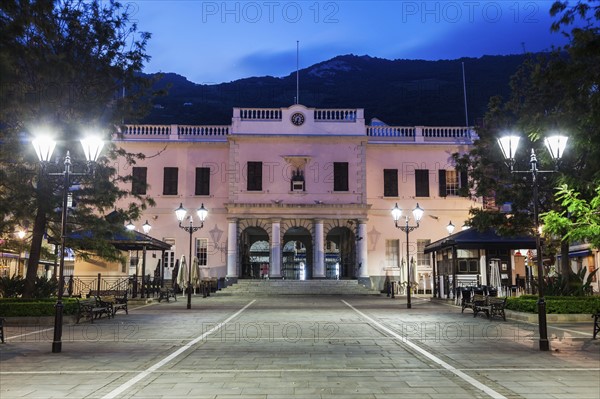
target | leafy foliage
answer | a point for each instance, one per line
(11, 286)
(553, 92)
(45, 288)
(67, 66)
(580, 218)
(555, 305)
(574, 284)
(35, 307)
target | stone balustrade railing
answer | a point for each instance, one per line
(447, 132)
(335, 115)
(147, 130)
(422, 133)
(173, 131)
(261, 114)
(390, 131)
(417, 134)
(193, 130)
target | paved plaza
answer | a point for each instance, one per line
(232, 346)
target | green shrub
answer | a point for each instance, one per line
(11, 287)
(555, 304)
(17, 307)
(44, 287)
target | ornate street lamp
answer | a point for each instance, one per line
(180, 213)
(417, 215)
(146, 227)
(450, 228)
(556, 147)
(44, 147)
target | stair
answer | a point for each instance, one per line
(298, 287)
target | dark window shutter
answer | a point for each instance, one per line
(254, 182)
(390, 182)
(464, 183)
(170, 181)
(442, 182)
(202, 181)
(139, 181)
(340, 176)
(422, 182)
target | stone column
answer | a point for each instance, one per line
(362, 249)
(319, 250)
(232, 249)
(275, 269)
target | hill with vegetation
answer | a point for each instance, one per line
(398, 92)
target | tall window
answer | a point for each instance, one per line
(422, 258)
(139, 180)
(169, 259)
(254, 182)
(170, 181)
(392, 253)
(390, 182)
(202, 251)
(340, 176)
(451, 181)
(422, 182)
(202, 181)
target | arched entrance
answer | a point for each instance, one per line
(297, 254)
(340, 254)
(254, 253)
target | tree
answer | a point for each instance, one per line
(65, 64)
(580, 217)
(555, 91)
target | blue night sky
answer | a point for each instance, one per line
(220, 41)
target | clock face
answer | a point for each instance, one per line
(297, 118)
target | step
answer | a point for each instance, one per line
(298, 287)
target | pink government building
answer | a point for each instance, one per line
(301, 193)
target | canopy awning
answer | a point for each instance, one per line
(128, 240)
(474, 239)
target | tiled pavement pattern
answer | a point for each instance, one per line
(300, 347)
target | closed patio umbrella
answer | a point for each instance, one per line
(495, 280)
(195, 273)
(182, 276)
(175, 272)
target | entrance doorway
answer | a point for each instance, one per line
(297, 254)
(340, 254)
(254, 253)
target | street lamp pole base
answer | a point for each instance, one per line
(543, 328)
(58, 321)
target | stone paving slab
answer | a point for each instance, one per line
(300, 347)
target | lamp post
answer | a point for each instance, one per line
(417, 215)
(44, 147)
(146, 227)
(556, 147)
(180, 213)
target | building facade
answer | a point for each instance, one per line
(301, 193)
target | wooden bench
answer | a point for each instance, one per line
(491, 306)
(166, 293)
(466, 300)
(92, 308)
(476, 303)
(596, 323)
(115, 299)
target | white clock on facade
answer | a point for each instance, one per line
(297, 118)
